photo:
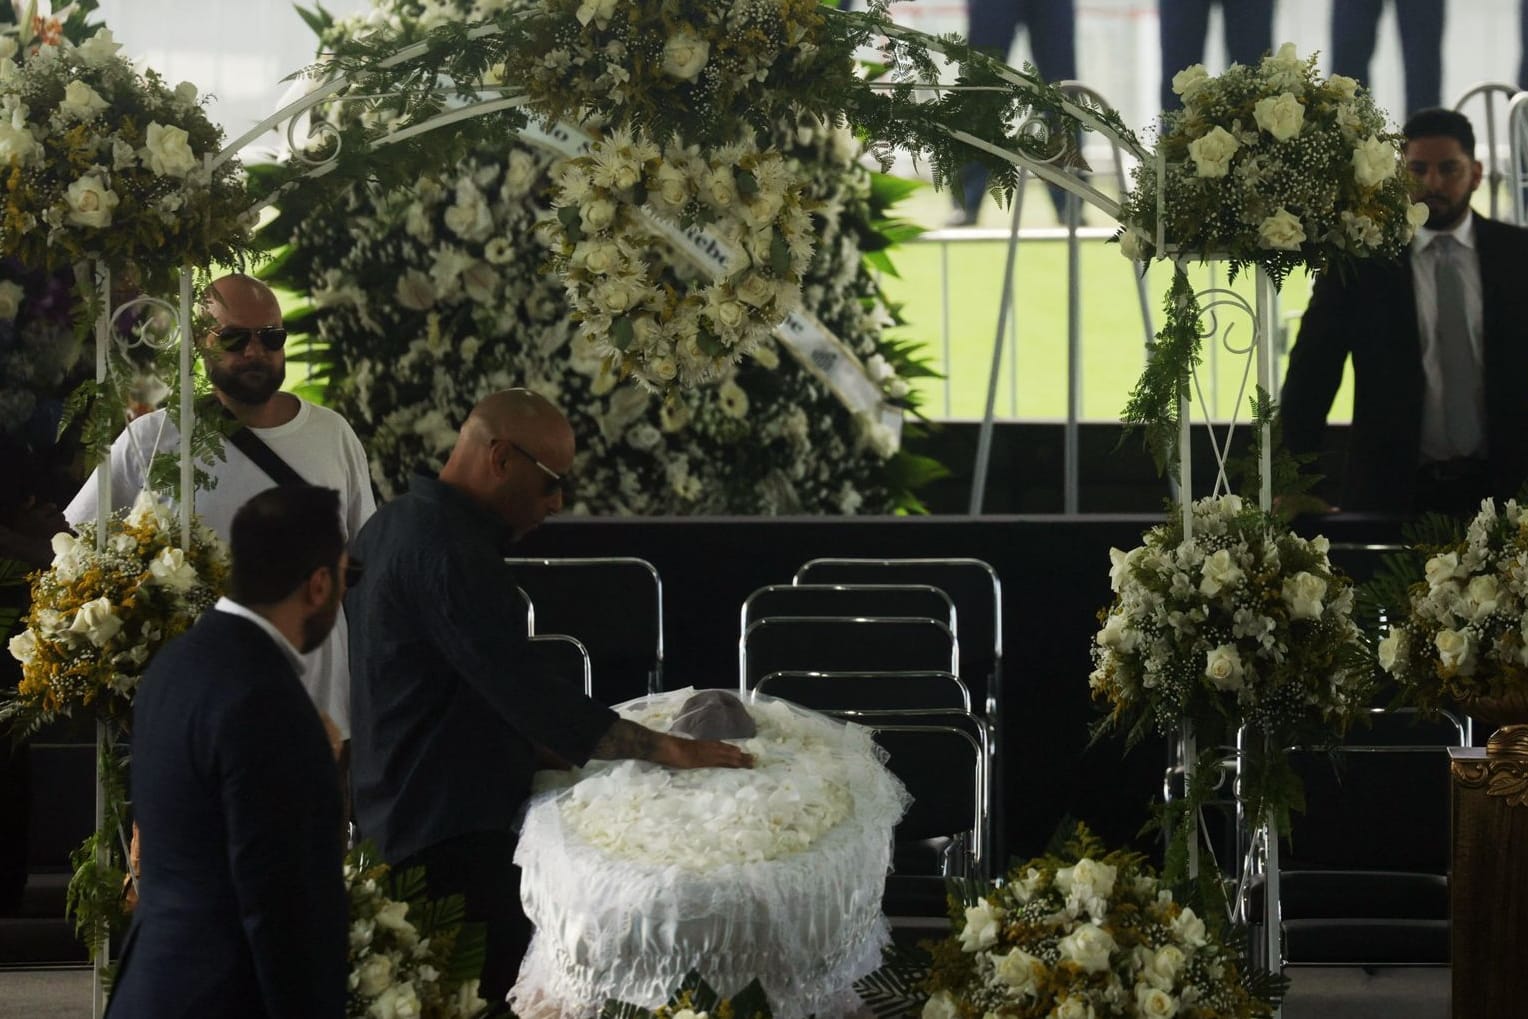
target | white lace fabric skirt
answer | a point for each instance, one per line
(635, 874)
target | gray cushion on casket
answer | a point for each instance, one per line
(713, 714)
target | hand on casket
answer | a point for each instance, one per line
(683, 753)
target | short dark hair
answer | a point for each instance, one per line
(1440, 123)
(279, 538)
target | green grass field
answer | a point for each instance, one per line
(1033, 385)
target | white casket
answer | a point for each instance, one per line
(635, 874)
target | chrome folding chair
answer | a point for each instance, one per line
(844, 644)
(867, 691)
(884, 601)
(613, 605)
(567, 657)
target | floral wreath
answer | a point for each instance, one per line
(104, 163)
(637, 310)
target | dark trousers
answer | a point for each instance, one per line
(478, 867)
(993, 24)
(1184, 23)
(1354, 26)
(1522, 31)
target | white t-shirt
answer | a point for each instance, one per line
(319, 446)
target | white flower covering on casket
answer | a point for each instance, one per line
(635, 874)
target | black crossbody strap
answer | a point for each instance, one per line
(254, 447)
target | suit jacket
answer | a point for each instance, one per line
(242, 910)
(1372, 315)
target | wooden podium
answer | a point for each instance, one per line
(1489, 883)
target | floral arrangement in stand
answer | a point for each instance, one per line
(97, 617)
(411, 957)
(696, 999)
(424, 300)
(1270, 166)
(634, 307)
(1463, 637)
(104, 162)
(1088, 934)
(1244, 623)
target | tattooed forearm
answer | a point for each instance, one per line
(625, 739)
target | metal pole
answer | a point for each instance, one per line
(187, 413)
(944, 288)
(103, 514)
(1071, 470)
(984, 440)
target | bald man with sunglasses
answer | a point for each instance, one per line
(241, 341)
(452, 707)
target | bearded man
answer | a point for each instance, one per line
(285, 440)
(1439, 341)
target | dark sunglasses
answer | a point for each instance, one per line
(555, 482)
(232, 339)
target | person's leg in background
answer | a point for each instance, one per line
(991, 26)
(1052, 26)
(1248, 30)
(1183, 24)
(1421, 23)
(1354, 25)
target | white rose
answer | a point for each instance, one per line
(1223, 667)
(728, 315)
(1073, 1008)
(1441, 569)
(1218, 573)
(99, 48)
(8, 47)
(1374, 161)
(81, 102)
(597, 11)
(16, 140)
(468, 217)
(519, 174)
(415, 291)
(1212, 153)
(90, 202)
(1416, 214)
(1281, 116)
(374, 976)
(11, 293)
(1088, 875)
(467, 1001)
(755, 290)
(1164, 965)
(673, 186)
(1482, 596)
(940, 1006)
(600, 258)
(1190, 80)
(397, 1002)
(1281, 231)
(1303, 595)
(614, 297)
(1189, 929)
(1089, 947)
(96, 621)
(1391, 649)
(1344, 86)
(23, 647)
(1020, 971)
(597, 215)
(720, 187)
(170, 569)
(185, 94)
(983, 923)
(1154, 1003)
(167, 151)
(685, 54)
(1454, 651)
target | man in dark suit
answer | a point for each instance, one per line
(242, 907)
(451, 708)
(1439, 342)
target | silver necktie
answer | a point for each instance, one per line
(1463, 409)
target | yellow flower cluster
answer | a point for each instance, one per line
(98, 615)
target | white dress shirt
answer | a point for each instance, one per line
(1435, 442)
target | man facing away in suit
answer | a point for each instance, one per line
(242, 910)
(451, 707)
(1439, 341)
